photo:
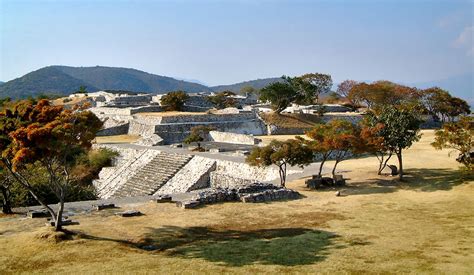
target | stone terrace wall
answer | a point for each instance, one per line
(232, 138)
(173, 133)
(243, 116)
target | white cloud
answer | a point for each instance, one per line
(465, 40)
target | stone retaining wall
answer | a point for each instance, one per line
(220, 180)
(177, 132)
(234, 138)
(121, 129)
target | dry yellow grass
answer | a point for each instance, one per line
(75, 100)
(424, 225)
(291, 120)
(116, 139)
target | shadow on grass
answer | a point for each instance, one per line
(425, 180)
(429, 180)
(284, 246)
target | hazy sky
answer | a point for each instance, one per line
(221, 42)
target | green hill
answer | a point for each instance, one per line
(257, 84)
(65, 80)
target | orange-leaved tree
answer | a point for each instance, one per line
(337, 139)
(48, 137)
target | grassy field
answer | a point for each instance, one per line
(423, 225)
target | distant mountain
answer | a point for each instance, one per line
(257, 84)
(460, 86)
(65, 80)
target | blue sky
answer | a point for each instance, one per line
(222, 42)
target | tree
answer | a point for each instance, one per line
(248, 90)
(82, 90)
(49, 138)
(458, 136)
(373, 142)
(5, 192)
(281, 153)
(310, 86)
(174, 101)
(198, 134)
(337, 139)
(279, 94)
(442, 106)
(333, 97)
(400, 130)
(345, 87)
(381, 93)
(223, 100)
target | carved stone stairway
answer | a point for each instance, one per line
(151, 177)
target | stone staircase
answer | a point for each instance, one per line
(151, 177)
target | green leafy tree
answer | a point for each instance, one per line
(198, 134)
(310, 86)
(174, 101)
(400, 130)
(279, 94)
(281, 154)
(223, 100)
(248, 90)
(458, 136)
(82, 90)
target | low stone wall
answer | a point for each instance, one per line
(194, 175)
(245, 171)
(242, 116)
(220, 180)
(124, 111)
(227, 137)
(177, 132)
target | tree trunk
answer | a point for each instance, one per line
(400, 163)
(282, 172)
(6, 203)
(58, 225)
(23, 182)
(334, 169)
(384, 164)
(321, 167)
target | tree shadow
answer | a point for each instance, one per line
(282, 246)
(417, 179)
(429, 180)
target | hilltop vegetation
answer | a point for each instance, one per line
(257, 84)
(64, 80)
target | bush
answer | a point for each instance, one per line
(174, 101)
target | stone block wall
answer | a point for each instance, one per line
(234, 138)
(220, 180)
(121, 129)
(177, 132)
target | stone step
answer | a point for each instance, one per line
(152, 176)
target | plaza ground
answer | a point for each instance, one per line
(423, 225)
